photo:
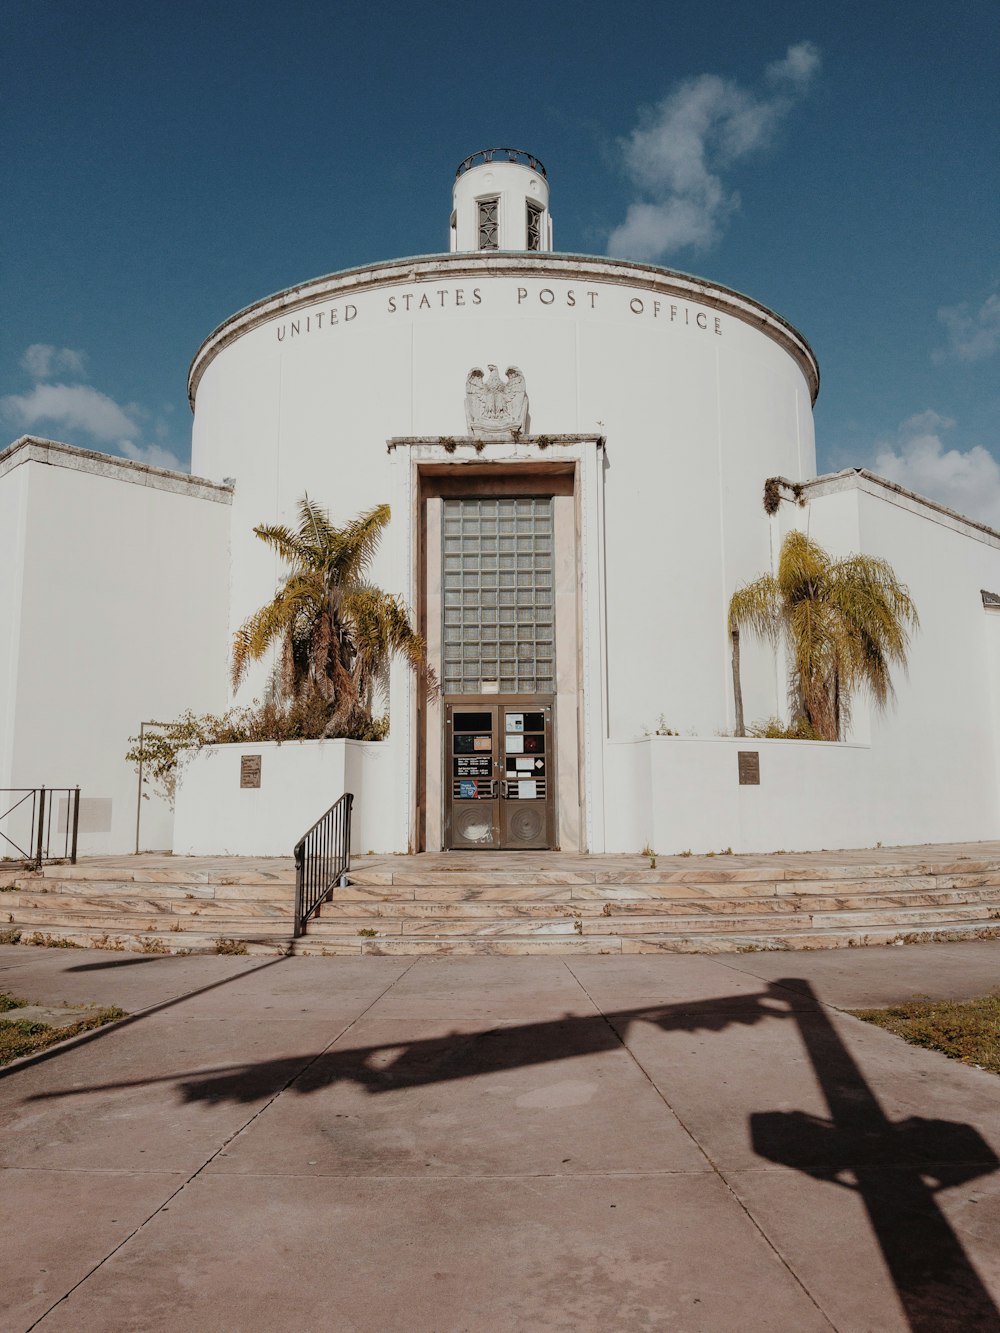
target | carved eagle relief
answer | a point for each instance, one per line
(495, 407)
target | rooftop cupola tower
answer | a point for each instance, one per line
(501, 202)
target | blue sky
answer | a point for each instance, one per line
(167, 164)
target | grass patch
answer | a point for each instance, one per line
(23, 1037)
(43, 940)
(231, 947)
(8, 1002)
(10, 936)
(963, 1030)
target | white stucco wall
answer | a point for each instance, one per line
(299, 781)
(699, 393)
(122, 584)
(687, 797)
(13, 498)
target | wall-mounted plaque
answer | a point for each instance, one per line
(749, 764)
(250, 770)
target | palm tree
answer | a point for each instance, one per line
(844, 622)
(337, 633)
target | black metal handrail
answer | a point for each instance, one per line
(322, 857)
(34, 806)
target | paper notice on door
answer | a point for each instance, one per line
(527, 790)
(483, 742)
(525, 763)
(515, 721)
(515, 745)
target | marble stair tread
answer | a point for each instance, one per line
(162, 942)
(160, 906)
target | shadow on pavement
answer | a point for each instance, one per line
(895, 1167)
(116, 962)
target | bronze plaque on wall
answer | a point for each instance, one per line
(250, 770)
(749, 762)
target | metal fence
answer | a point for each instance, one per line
(39, 824)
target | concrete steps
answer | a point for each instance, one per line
(123, 904)
(617, 905)
(518, 903)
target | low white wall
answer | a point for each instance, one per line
(680, 794)
(299, 781)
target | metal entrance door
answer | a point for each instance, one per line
(499, 776)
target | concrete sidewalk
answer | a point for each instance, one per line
(663, 1142)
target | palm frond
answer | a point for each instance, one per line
(337, 634)
(757, 607)
(845, 624)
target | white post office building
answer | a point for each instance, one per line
(575, 451)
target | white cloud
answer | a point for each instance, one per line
(676, 154)
(799, 67)
(152, 454)
(973, 335)
(968, 481)
(42, 360)
(72, 407)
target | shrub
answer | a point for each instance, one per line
(304, 718)
(773, 729)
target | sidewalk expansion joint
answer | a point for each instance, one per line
(222, 1146)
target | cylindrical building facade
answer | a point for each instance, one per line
(649, 406)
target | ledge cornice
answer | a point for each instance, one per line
(35, 449)
(471, 264)
(860, 479)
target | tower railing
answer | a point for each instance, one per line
(485, 155)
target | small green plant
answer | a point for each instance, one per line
(8, 1002)
(230, 946)
(367, 932)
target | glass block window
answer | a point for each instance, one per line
(534, 227)
(497, 585)
(489, 224)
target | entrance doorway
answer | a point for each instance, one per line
(499, 779)
(499, 580)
